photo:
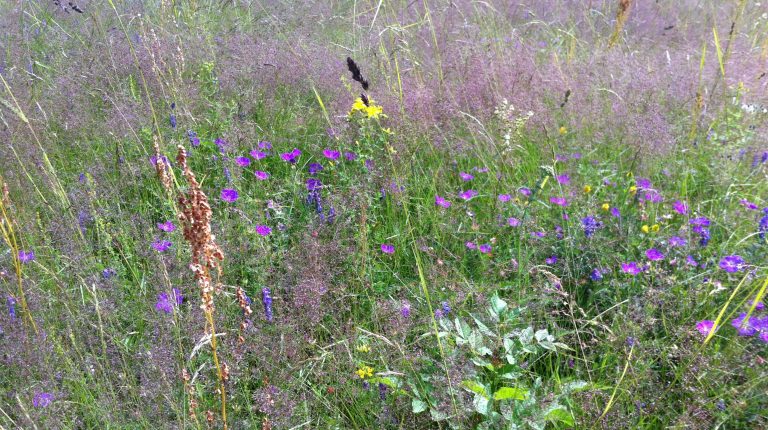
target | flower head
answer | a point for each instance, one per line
(443, 203)
(331, 154)
(732, 263)
(504, 198)
(266, 299)
(513, 222)
(243, 161)
(262, 176)
(705, 327)
(166, 226)
(314, 168)
(485, 248)
(560, 201)
(26, 256)
(676, 241)
(291, 157)
(654, 254)
(466, 176)
(161, 245)
(258, 155)
(468, 195)
(591, 225)
(263, 230)
(631, 268)
(42, 400)
(525, 191)
(229, 195)
(387, 248)
(680, 207)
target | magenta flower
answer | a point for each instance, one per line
(615, 212)
(560, 201)
(263, 230)
(387, 248)
(504, 198)
(485, 248)
(42, 400)
(314, 168)
(291, 157)
(705, 327)
(243, 161)
(654, 254)
(749, 205)
(164, 304)
(689, 260)
(350, 156)
(166, 226)
(468, 195)
(229, 195)
(258, 155)
(643, 183)
(262, 176)
(632, 268)
(551, 260)
(680, 207)
(466, 176)
(471, 245)
(676, 241)
(443, 203)
(331, 154)
(513, 222)
(265, 145)
(563, 179)
(525, 191)
(26, 256)
(732, 263)
(161, 245)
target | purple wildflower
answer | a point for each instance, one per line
(265, 145)
(222, 145)
(525, 191)
(172, 120)
(596, 275)
(676, 241)
(443, 203)
(705, 327)
(382, 391)
(42, 400)
(470, 245)
(387, 248)
(243, 161)
(680, 207)
(466, 176)
(654, 254)
(749, 205)
(743, 326)
(313, 184)
(108, 273)
(229, 195)
(732, 263)
(504, 198)
(263, 230)
(560, 201)
(762, 226)
(513, 222)
(163, 304)
(331, 154)
(166, 226)
(258, 155)
(314, 168)
(11, 308)
(643, 183)
(266, 299)
(161, 245)
(405, 310)
(590, 224)
(262, 176)
(350, 156)
(485, 248)
(551, 260)
(689, 260)
(468, 195)
(631, 268)
(193, 139)
(445, 308)
(291, 157)
(26, 256)
(563, 179)
(615, 212)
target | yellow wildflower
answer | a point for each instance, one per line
(655, 228)
(365, 371)
(562, 130)
(645, 229)
(363, 348)
(632, 189)
(587, 189)
(606, 206)
(371, 110)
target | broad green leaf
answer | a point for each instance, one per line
(418, 406)
(474, 387)
(481, 404)
(559, 413)
(514, 393)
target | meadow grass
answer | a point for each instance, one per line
(536, 216)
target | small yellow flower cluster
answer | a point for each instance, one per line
(654, 228)
(587, 189)
(365, 372)
(363, 348)
(371, 110)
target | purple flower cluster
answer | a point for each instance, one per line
(266, 300)
(166, 304)
(591, 225)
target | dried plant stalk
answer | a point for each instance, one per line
(621, 19)
(195, 216)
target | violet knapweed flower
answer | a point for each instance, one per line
(108, 273)
(513, 222)
(229, 195)
(470, 245)
(680, 207)
(263, 230)
(485, 248)
(525, 191)
(700, 221)
(11, 308)
(163, 303)
(676, 241)
(161, 245)
(732, 263)
(258, 155)
(563, 179)
(642, 183)
(387, 248)
(443, 203)
(560, 201)
(222, 145)
(350, 156)
(262, 176)
(466, 176)
(313, 184)
(632, 268)
(266, 299)
(590, 224)
(265, 145)
(689, 260)
(468, 195)
(705, 327)
(749, 205)
(551, 260)
(331, 154)
(291, 157)
(504, 198)
(615, 212)
(243, 161)
(654, 254)
(314, 168)
(405, 310)
(42, 400)
(26, 256)
(166, 226)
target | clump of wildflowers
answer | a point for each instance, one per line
(591, 225)
(732, 263)
(266, 300)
